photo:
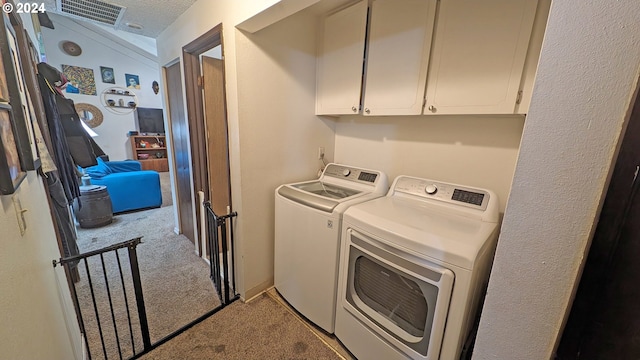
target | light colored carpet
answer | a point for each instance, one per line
(260, 329)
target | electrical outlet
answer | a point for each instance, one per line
(321, 153)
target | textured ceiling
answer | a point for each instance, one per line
(153, 15)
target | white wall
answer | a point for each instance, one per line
(99, 51)
(588, 70)
(37, 319)
(198, 19)
(270, 82)
(279, 133)
(478, 151)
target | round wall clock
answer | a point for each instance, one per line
(71, 48)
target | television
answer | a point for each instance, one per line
(149, 121)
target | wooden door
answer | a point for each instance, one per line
(217, 135)
(398, 56)
(180, 138)
(339, 73)
(604, 322)
(478, 56)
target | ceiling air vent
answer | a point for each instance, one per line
(94, 10)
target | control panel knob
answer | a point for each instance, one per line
(431, 189)
(346, 172)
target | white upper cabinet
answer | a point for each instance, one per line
(340, 61)
(478, 56)
(426, 57)
(398, 55)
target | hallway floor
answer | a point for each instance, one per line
(263, 328)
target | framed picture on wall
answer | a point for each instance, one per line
(107, 75)
(11, 170)
(132, 81)
(20, 101)
(81, 80)
(17, 68)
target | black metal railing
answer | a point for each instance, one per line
(97, 331)
(102, 292)
(221, 254)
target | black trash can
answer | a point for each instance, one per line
(96, 209)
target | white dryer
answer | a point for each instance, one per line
(308, 216)
(413, 267)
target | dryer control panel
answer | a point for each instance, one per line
(439, 191)
(351, 173)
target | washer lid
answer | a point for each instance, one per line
(326, 190)
(424, 229)
(318, 195)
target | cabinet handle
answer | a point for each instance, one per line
(354, 109)
(367, 110)
(432, 108)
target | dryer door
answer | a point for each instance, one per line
(401, 297)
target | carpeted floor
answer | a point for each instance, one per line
(260, 329)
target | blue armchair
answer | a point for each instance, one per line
(129, 187)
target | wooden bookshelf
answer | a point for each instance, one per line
(151, 151)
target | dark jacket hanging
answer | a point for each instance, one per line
(83, 149)
(63, 183)
(60, 152)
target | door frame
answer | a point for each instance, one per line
(176, 193)
(196, 115)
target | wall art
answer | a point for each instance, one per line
(21, 112)
(132, 81)
(107, 75)
(81, 80)
(11, 171)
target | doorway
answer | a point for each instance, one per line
(207, 120)
(180, 141)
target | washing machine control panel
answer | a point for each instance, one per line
(438, 191)
(350, 173)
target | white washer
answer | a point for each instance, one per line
(307, 236)
(413, 267)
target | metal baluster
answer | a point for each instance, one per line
(76, 304)
(225, 262)
(95, 307)
(215, 253)
(137, 287)
(113, 315)
(231, 243)
(126, 303)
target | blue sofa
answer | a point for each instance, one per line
(129, 187)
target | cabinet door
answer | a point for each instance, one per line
(398, 56)
(339, 72)
(478, 56)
